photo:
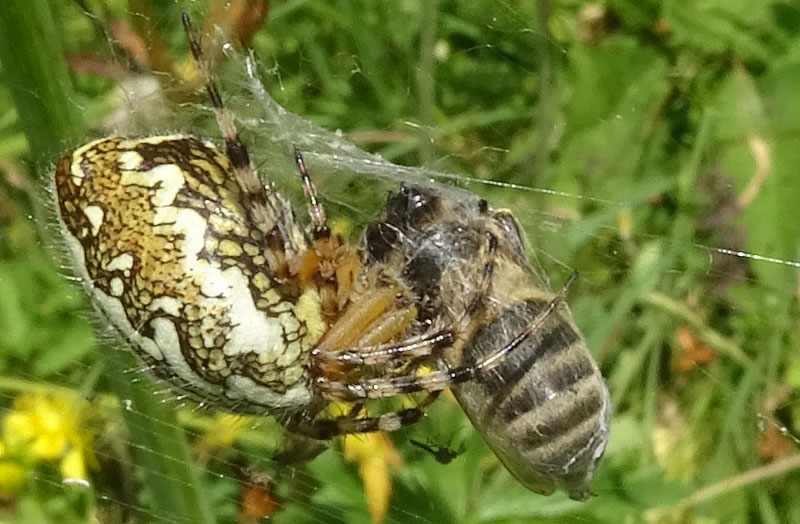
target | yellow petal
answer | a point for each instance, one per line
(49, 446)
(73, 465)
(376, 456)
(50, 417)
(11, 476)
(222, 433)
(18, 429)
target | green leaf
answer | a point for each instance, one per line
(719, 26)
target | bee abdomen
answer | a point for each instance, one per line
(561, 427)
(545, 408)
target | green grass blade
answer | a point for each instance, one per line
(172, 475)
(37, 77)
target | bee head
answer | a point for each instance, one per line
(407, 210)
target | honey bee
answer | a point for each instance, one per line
(204, 271)
(535, 394)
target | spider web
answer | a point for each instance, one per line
(635, 272)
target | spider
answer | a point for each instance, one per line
(206, 274)
(441, 454)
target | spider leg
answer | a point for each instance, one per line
(441, 378)
(333, 266)
(418, 346)
(268, 210)
(236, 150)
(351, 328)
(315, 210)
(356, 324)
(323, 429)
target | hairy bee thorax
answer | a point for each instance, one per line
(165, 244)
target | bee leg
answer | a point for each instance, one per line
(440, 378)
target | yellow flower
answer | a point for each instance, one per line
(54, 426)
(223, 433)
(17, 430)
(46, 427)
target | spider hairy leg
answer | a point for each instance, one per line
(371, 353)
(332, 264)
(267, 209)
(372, 319)
(324, 429)
(441, 378)
(315, 210)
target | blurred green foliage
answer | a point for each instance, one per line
(631, 138)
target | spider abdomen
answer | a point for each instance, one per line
(159, 233)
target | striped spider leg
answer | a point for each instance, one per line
(438, 379)
(328, 261)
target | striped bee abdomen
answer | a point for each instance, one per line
(544, 409)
